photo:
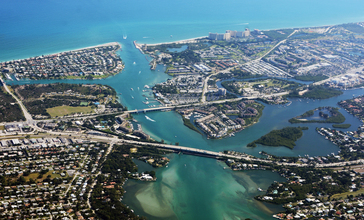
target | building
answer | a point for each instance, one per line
(246, 32)
(227, 36)
(213, 36)
(222, 91)
(232, 33)
(220, 37)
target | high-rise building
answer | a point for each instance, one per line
(220, 37)
(213, 36)
(232, 33)
(246, 32)
(227, 36)
(240, 34)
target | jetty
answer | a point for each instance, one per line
(137, 46)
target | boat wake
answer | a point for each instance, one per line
(149, 119)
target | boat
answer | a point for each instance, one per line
(171, 36)
(131, 89)
(125, 36)
(8, 76)
(132, 97)
(260, 189)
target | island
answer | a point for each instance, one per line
(282, 137)
(88, 63)
(325, 115)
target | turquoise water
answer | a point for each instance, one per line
(190, 187)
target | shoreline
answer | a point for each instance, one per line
(85, 48)
(190, 40)
(66, 51)
(274, 29)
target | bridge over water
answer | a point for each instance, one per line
(150, 109)
(193, 151)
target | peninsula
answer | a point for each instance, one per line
(88, 63)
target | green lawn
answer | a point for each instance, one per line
(345, 194)
(34, 176)
(66, 110)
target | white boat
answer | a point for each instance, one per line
(8, 76)
(131, 89)
(125, 36)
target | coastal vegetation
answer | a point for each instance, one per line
(278, 35)
(59, 99)
(353, 28)
(189, 124)
(9, 108)
(309, 78)
(237, 74)
(284, 137)
(333, 116)
(316, 92)
(343, 126)
(107, 194)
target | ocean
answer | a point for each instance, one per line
(190, 187)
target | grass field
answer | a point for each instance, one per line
(66, 110)
(34, 176)
(345, 194)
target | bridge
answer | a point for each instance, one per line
(186, 150)
(150, 109)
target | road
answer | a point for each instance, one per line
(205, 84)
(27, 116)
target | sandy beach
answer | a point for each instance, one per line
(100, 45)
(191, 40)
